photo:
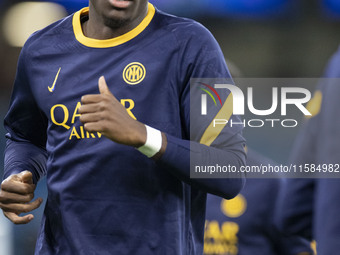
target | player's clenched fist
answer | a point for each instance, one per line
(16, 194)
(103, 113)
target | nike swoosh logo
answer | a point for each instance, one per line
(51, 89)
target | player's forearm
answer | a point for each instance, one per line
(20, 156)
(177, 157)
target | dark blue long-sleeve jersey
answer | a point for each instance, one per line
(103, 197)
(310, 207)
(245, 224)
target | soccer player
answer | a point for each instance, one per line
(245, 225)
(311, 207)
(104, 195)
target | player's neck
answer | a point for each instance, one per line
(96, 28)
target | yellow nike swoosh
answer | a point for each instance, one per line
(51, 89)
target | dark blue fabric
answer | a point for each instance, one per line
(311, 207)
(253, 231)
(103, 197)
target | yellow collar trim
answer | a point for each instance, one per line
(95, 43)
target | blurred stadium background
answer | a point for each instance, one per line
(263, 38)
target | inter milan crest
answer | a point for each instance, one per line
(134, 73)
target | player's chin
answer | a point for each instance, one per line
(117, 21)
(116, 17)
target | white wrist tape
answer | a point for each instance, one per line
(153, 142)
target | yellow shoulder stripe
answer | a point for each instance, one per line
(211, 133)
(94, 43)
(314, 105)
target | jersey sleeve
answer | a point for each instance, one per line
(316, 143)
(296, 236)
(282, 243)
(26, 129)
(294, 215)
(201, 57)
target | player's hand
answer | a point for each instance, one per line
(16, 194)
(105, 114)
